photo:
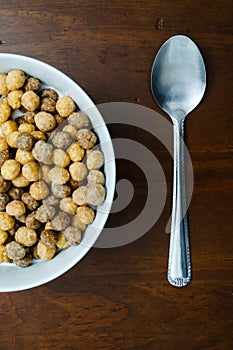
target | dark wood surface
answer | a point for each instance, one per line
(119, 298)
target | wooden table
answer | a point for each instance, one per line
(119, 298)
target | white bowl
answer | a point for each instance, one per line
(14, 278)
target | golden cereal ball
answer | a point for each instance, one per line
(85, 214)
(3, 254)
(78, 171)
(38, 135)
(86, 138)
(3, 87)
(30, 100)
(59, 175)
(68, 206)
(39, 190)
(27, 127)
(5, 112)
(61, 241)
(23, 157)
(61, 158)
(95, 160)
(11, 139)
(8, 127)
(70, 129)
(45, 252)
(7, 222)
(31, 171)
(3, 236)
(20, 181)
(10, 169)
(14, 99)
(65, 106)
(80, 195)
(15, 79)
(15, 208)
(45, 121)
(3, 144)
(26, 236)
(76, 152)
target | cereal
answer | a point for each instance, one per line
(71, 130)
(45, 121)
(3, 87)
(8, 127)
(6, 221)
(29, 201)
(4, 200)
(60, 191)
(4, 185)
(79, 120)
(49, 93)
(15, 193)
(45, 252)
(95, 194)
(95, 177)
(15, 79)
(72, 235)
(59, 119)
(29, 117)
(38, 135)
(73, 184)
(5, 112)
(21, 218)
(32, 222)
(25, 141)
(32, 84)
(65, 106)
(11, 139)
(59, 175)
(61, 241)
(20, 181)
(31, 171)
(61, 139)
(48, 105)
(49, 238)
(76, 222)
(3, 236)
(4, 155)
(30, 101)
(80, 195)
(3, 144)
(60, 158)
(39, 190)
(42, 151)
(76, 152)
(60, 221)
(95, 160)
(45, 213)
(25, 261)
(23, 157)
(44, 172)
(26, 127)
(78, 171)
(85, 214)
(26, 236)
(68, 205)
(14, 99)
(15, 208)
(3, 254)
(86, 138)
(10, 169)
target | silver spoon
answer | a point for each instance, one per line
(178, 82)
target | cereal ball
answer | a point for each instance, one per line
(45, 252)
(31, 171)
(59, 175)
(14, 99)
(3, 236)
(60, 191)
(50, 201)
(48, 105)
(15, 79)
(60, 221)
(15, 250)
(65, 106)
(26, 236)
(4, 185)
(48, 226)
(3, 144)
(61, 241)
(4, 155)
(29, 117)
(76, 222)
(15, 208)
(8, 127)
(86, 138)
(11, 139)
(71, 130)
(15, 193)
(72, 235)
(78, 171)
(29, 201)
(45, 213)
(25, 141)
(85, 214)
(60, 158)
(79, 120)
(61, 139)
(68, 205)
(3, 254)
(95, 160)
(80, 195)
(15, 228)
(26, 128)
(34, 252)
(20, 120)
(30, 101)
(95, 177)
(23, 157)
(5, 112)
(49, 93)
(25, 261)
(73, 184)
(32, 84)
(6, 221)
(20, 181)
(21, 218)
(10, 169)
(3, 87)
(45, 121)
(44, 172)
(95, 194)
(4, 200)
(38, 135)
(39, 190)
(76, 152)
(59, 119)
(49, 238)
(42, 151)
(32, 222)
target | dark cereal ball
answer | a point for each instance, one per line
(29, 117)
(32, 84)
(29, 201)
(25, 261)
(32, 222)
(4, 155)
(25, 141)
(60, 221)
(48, 105)
(60, 191)
(86, 138)
(4, 200)
(49, 238)
(49, 93)
(15, 250)
(45, 213)
(4, 185)
(15, 192)
(61, 139)
(51, 201)
(72, 235)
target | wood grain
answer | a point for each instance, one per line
(119, 298)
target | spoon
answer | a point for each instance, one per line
(178, 82)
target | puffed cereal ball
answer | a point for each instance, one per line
(15, 250)
(3, 144)
(59, 175)
(26, 128)
(3, 87)
(10, 169)
(14, 99)
(32, 222)
(95, 160)
(45, 121)
(39, 190)
(48, 105)
(30, 101)
(95, 177)
(60, 191)
(26, 236)
(15, 193)
(60, 221)
(4, 200)
(85, 214)
(7, 222)
(45, 213)
(78, 171)
(68, 205)
(29, 201)
(50, 201)
(20, 181)
(4, 155)
(59, 119)
(72, 235)
(38, 135)
(65, 106)
(86, 138)
(45, 252)
(61, 139)
(44, 173)
(71, 130)
(32, 84)
(15, 208)
(29, 117)
(61, 241)
(42, 151)
(25, 141)
(3, 236)
(49, 238)
(80, 195)
(95, 194)
(23, 157)
(11, 139)
(60, 158)
(4, 185)
(8, 127)
(79, 120)
(31, 171)
(76, 222)
(25, 261)
(49, 93)
(15, 79)
(5, 112)
(76, 152)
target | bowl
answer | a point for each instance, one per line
(12, 277)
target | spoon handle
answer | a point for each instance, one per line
(179, 263)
